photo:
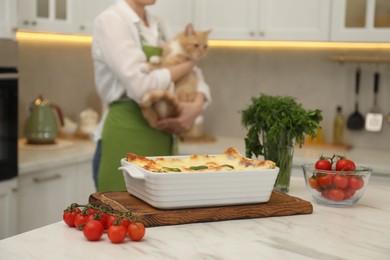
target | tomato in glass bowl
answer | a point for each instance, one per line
(336, 188)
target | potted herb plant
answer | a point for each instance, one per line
(275, 124)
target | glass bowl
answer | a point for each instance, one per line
(336, 188)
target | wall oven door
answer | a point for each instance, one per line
(8, 123)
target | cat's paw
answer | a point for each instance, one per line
(145, 68)
(155, 60)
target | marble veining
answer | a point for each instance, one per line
(358, 232)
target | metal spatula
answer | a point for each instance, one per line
(374, 118)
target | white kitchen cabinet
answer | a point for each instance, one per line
(177, 13)
(229, 20)
(83, 181)
(8, 208)
(306, 20)
(86, 11)
(43, 195)
(46, 15)
(361, 21)
(8, 23)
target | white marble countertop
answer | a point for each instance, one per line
(358, 232)
(65, 152)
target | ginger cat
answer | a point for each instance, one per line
(187, 45)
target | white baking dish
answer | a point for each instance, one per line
(172, 190)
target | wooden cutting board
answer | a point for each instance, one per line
(280, 204)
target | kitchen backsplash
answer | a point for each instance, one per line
(8, 53)
(64, 74)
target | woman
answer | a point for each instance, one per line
(119, 35)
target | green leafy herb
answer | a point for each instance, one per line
(169, 169)
(228, 165)
(277, 116)
(279, 122)
(200, 167)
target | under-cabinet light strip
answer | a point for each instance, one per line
(31, 36)
(51, 37)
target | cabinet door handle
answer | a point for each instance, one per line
(48, 178)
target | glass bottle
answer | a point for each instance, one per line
(338, 127)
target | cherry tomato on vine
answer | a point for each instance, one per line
(92, 211)
(110, 219)
(324, 180)
(69, 215)
(99, 217)
(341, 181)
(80, 220)
(117, 233)
(348, 193)
(355, 183)
(323, 164)
(313, 183)
(125, 222)
(93, 230)
(336, 194)
(345, 165)
(325, 194)
(136, 231)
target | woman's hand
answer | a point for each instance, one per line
(189, 111)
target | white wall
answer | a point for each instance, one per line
(235, 75)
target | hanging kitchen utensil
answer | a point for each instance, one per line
(356, 120)
(374, 118)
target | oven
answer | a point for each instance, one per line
(8, 123)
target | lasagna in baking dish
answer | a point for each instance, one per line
(229, 160)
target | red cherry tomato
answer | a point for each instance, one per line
(323, 164)
(336, 194)
(348, 193)
(355, 183)
(324, 180)
(341, 181)
(313, 183)
(125, 222)
(101, 217)
(93, 230)
(117, 234)
(345, 165)
(325, 194)
(80, 220)
(92, 211)
(110, 219)
(69, 215)
(136, 231)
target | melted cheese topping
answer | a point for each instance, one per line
(229, 160)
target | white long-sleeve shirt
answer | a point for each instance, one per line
(117, 55)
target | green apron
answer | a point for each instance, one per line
(126, 130)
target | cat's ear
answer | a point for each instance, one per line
(189, 30)
(208, 32)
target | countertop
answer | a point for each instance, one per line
(32, 158)
(358, 232)
(72, 151)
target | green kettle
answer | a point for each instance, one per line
(41, 126)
